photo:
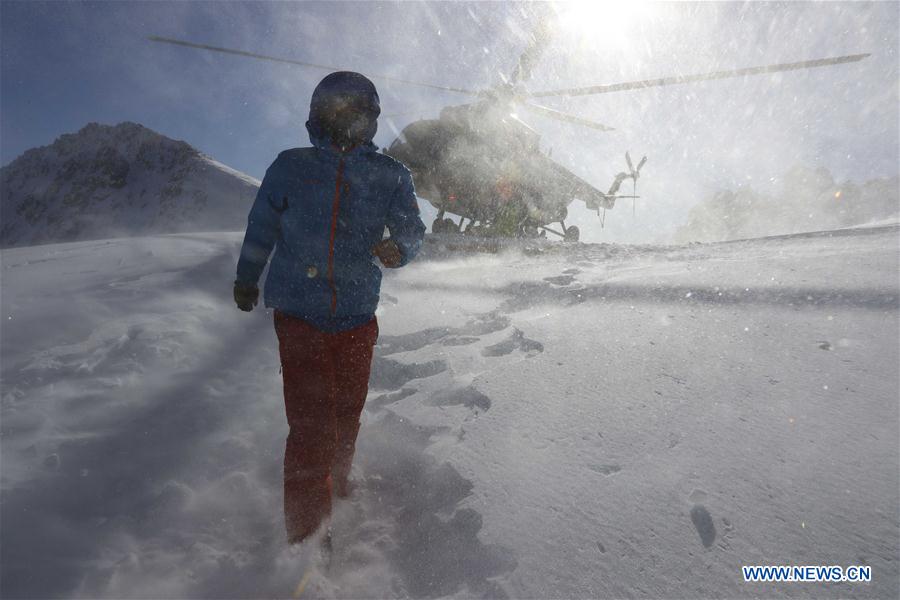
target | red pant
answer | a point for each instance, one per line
(326, 378)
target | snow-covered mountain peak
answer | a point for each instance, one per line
(125, 179)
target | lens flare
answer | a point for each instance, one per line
(603, 23)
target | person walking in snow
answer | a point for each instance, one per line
(324, 209)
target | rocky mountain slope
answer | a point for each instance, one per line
(109, 181)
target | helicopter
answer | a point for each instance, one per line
(488, 168)
(482, 162)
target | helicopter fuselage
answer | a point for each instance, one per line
(482, 163)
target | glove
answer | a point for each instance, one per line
(388, 253)
(246, 295)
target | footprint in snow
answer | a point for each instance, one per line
(383, 400)
(392, 375)
(414, 505)
(703, 522)
(392, 344)
(483, 324)
(467, 396)
(449, 336)
(460, 341)
(517, 341)
(605, 469)
(560, 279)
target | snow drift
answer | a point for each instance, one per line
(546, 421)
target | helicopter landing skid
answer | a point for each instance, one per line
(569, 234)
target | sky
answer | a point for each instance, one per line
(63, 65)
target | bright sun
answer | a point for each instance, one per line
(604, 23)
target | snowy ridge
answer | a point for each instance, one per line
(548, 420)
(252, 181)
(110, 181)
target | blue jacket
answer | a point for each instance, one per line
(323, 210)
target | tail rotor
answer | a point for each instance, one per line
(634, 174)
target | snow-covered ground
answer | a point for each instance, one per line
(544, 421)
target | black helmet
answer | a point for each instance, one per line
(345, 109)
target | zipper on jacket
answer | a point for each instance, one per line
(334, 217)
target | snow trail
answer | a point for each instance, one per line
(543, 420)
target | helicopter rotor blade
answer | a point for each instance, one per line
(154, 38)
(646, 83)
(537, 43)
(561, 116)
(628, 160)
(640, 164)
(396, 115)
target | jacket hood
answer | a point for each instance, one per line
(322, 141)
(343, 111)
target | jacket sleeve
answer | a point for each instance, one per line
(263, 226)
(406, 227)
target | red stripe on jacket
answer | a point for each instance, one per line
(335, 206)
